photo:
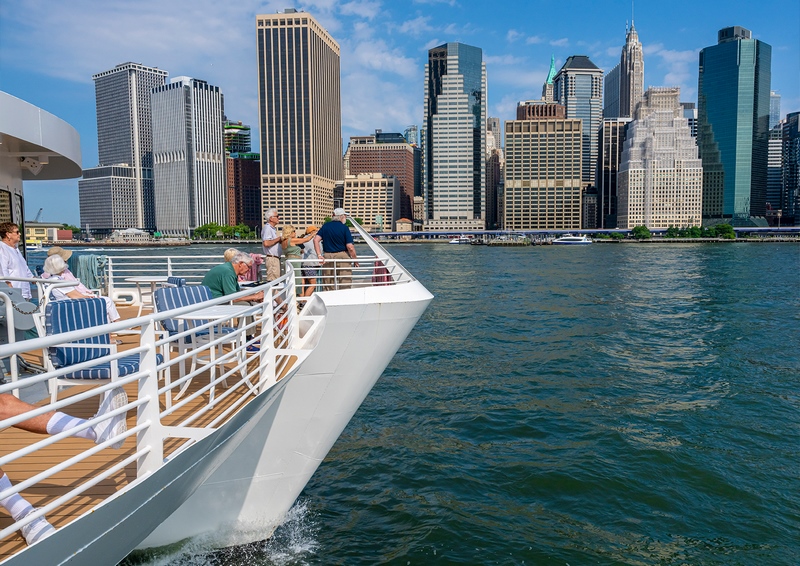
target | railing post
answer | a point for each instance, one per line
(267, 341)
(149, 411)
(110, 278)
(169, 266)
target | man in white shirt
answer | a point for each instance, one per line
(12, 264)
(272, 245)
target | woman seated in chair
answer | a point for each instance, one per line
(56, 266)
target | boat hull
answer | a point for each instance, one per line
(248, 496)
(106, 535)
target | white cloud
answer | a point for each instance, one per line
(363, 9)
(563, 42)
(678, 68)
(378, 56)
(416, 27)
(369, 103)
(532, 40)
(513, 35)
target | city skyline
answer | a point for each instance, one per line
(384, 50)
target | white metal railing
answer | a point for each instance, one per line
(165, 408)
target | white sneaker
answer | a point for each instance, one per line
(37, 530)
(115, 425)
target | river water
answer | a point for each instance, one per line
(603, 404)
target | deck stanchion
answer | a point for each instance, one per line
(149, 412)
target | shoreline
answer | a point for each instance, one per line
(98, 244)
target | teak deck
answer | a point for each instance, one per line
(61, 483)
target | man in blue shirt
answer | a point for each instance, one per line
(337, 245)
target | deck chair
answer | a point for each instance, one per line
(173, 281)
(78, 314)
(168, 298)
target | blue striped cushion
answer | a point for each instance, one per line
(168, 298)
(125, 366)
(177, 281)
(64, 316)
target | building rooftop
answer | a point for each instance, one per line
(579, 62)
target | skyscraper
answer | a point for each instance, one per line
(124, 141)
(543, 169)
(188, 156)
(631, 74)
(578, 86)
(610, 143)
(390, 154)
(733, 127)
(243, 176)
(300, 116)
(624, 84)
(660, 179)
(774, 109)
(453, 138)
(791, 168)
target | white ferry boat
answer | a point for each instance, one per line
(217, 453)
(569, 239)
(463, 239)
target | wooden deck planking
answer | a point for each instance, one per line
(62, 482)
(59, 484)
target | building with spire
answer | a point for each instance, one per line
(578, 87)
(733, 98)
(454, 138)
(547, 88)
(631, 74)
(660, 179)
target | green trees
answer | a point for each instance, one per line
(214, 231)
(75, 229)
(641, 233)
(718, 231)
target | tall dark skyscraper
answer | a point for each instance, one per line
(733, 127)
(300, 116)
(454, 138)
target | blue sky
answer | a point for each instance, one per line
(49, 50)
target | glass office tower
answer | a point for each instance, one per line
(578, 87)
(454, 138)
(733, 127)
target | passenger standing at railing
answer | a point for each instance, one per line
(310, 265)
(337, 244)
(54, 423)
(272, 245)
(12, 264)
(293, 247)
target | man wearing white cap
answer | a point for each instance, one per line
(337, 244)
(272, 245)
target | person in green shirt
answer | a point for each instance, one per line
(223, 279)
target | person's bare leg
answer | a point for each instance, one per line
(10, 406)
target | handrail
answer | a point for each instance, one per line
(247, 374)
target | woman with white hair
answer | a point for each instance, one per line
(56, 266)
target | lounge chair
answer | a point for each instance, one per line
(80, 314)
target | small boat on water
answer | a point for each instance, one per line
(215, 455)
(463, 239)
(569, 239)
(33, 246)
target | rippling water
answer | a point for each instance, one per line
(631, 404)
